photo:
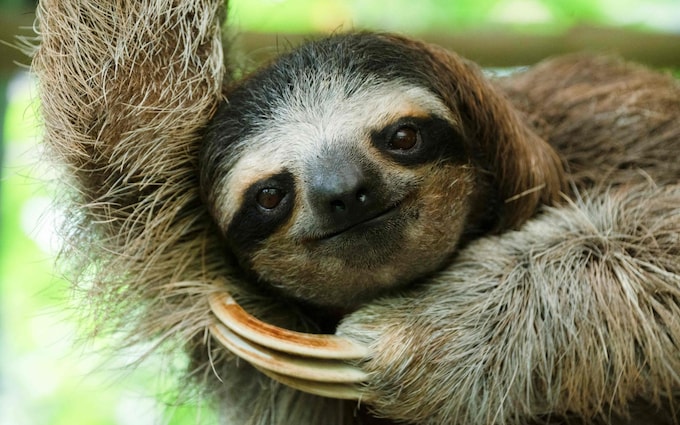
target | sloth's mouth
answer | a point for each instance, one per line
(366, 224)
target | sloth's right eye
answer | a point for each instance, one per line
(404, 138)
(270, 197)
(264, 207)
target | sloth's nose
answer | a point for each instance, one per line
(342, 195)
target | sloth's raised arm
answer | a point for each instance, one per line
(124, 89)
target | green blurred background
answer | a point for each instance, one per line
(48, 373)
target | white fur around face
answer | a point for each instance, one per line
(316, 116)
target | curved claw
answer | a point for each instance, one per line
(307, 362)
(238, 320)
(324, 389)
(283, 364)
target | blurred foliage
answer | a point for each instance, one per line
(15, 4)
(434, 16)
(46, 370)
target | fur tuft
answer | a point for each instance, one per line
(124, 91)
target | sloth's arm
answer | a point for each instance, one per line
(578, 313)
(125, 88)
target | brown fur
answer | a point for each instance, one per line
(576, 315)
(604, 116)
(527, 171)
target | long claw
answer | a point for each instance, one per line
(311, 363)
(305, 368)
(309, 345)
(324, 389)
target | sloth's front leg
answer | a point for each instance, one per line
(576, 315)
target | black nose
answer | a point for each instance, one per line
(342, 195)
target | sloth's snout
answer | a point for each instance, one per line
(343, 195)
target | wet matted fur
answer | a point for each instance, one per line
(575, 315)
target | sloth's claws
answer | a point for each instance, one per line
(324, 389)
(305, 368)
(247, 326)
(308, 362)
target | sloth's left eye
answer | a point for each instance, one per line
(404, 138)
(270, 197)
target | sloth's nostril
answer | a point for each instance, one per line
(338, 206)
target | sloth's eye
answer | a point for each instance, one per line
(270, 197)
(404, 138)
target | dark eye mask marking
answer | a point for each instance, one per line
(254, 222)
(417, 140)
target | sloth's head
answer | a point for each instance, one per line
(359, 163)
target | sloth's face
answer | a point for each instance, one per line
(338, 202)
(338, 186)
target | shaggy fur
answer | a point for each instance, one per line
(576, 316)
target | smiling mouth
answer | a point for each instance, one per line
(365, 224)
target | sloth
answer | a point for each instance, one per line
(504, 250)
